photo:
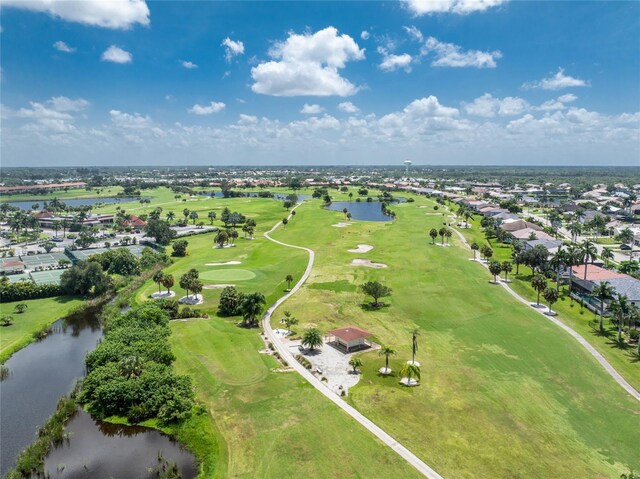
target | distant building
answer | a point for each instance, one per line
(49, 187)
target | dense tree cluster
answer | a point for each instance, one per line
(130, 371)
(234, 303)
(86, 278)
(24, 290)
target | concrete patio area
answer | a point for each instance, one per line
(333, 364)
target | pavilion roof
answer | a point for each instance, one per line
(350, 333)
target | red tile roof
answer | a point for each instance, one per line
(596, 273)
(350, 333)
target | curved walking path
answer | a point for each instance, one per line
(315, 382)
(593, 351)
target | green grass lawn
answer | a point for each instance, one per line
(265, 423)
(581, 320)
(504, 393)
(40, 313)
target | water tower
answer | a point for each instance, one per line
(407, 164)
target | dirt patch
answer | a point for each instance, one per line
(341, 225)
(362, 248)
(367, 263)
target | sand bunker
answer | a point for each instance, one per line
(223, 264)
(163, 294)
(191, 299)
(341, 225)
(367, 263)
(217, 286)
(362, 248)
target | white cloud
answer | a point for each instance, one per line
(414, 33)
(63, 47)
(311, 109)
(557, 82)
(391, 62)
(129, 121)
(451, 55)
(308, 64)
(213, 107)
(364, 35)
(348, 107)
(461, 7)
(488, 107)
(188, 65)
(117, 14)
(232, 48)
(116, 54)
(62, 103)
(559, 103)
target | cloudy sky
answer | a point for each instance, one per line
(124, 82)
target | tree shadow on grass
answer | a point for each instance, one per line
(373, 307)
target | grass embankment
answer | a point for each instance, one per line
(39, 315)
(504, 392)
(260, 422)
(580, 319)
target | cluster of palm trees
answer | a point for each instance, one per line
(465, 212)
(190, 282)
(444, 233)
(164, 279)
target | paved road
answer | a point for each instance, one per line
(315, 382)
(605, 364)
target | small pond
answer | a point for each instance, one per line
(38, 375)
(26, 205)
(99, 449)
(361, 210)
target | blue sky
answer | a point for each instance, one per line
(235, 83)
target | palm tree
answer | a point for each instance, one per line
(355, 362)
(468, 214)
(539, 283)
(251, 307)
(434, 234)
(507, 267)
(448, 233)
(171, 216)
(409, 371)
(289, 280)
(414, 344)
(386, 351)
(284, 222)
(495, 268)
(345, 211)
(168, 282)
(572, 258)
(474, 248)
(212, 216)
(607, 255)
(604, 292)
(589, 254)
(620, 309)
(575, 229)
(56, 226)
(312, 338)
(551, 296)
(194, 216)
(158, 277)
(185, 213)
(442, 233)
(131, 366)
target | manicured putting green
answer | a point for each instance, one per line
(227, 275)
